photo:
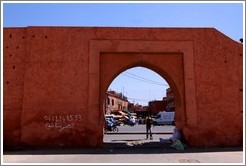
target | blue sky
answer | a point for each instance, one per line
(226, 17)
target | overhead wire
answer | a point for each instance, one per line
(134, 99)
(139, 78)
(134, 76)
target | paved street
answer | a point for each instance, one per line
(138, 133)
(128, 146)
(142, 128)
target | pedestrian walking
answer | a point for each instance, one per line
(148, 128)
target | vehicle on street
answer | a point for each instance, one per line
(110, 126)
(164, 118)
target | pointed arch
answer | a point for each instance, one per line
(153, 68)
(112, 64)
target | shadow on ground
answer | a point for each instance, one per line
(128, 147)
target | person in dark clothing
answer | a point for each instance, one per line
(148, 128)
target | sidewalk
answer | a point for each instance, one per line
(128, 152)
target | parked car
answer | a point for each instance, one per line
(164, 118)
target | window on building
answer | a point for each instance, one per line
(112, 102)
(119, 107)
(108, 100)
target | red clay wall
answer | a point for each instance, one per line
(13, 66)
(54, 81)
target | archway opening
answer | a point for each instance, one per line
(133, 95)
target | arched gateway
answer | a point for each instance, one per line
(55, 79)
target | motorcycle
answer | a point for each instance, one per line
(110, 126)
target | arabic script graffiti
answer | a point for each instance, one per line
(58, 126)
(61, 122)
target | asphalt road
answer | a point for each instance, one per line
(142, 129)
(138, 133)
